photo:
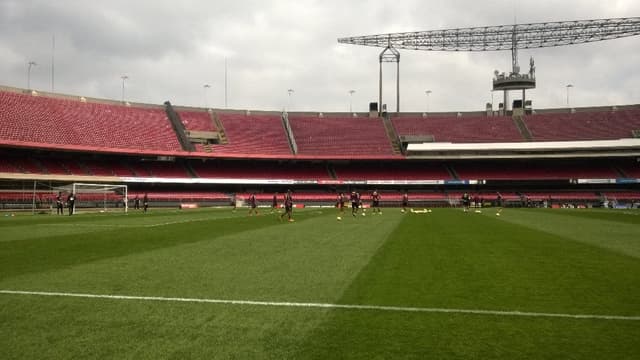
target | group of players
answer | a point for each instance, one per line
(70, 203)
(356, 203)
(355, 198)
(288, 205)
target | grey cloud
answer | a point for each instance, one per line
(170, 49)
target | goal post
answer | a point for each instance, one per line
(97, 197)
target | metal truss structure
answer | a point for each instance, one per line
(505, 37)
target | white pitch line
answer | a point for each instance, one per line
(328, 306)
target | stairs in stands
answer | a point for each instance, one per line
(207, 148)
(518, 121)
(392, 135)
(452, 172)
(178, 127)
(290, 138)
(332, 172)
(223, 135)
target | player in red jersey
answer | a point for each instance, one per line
(288, 206)
(375, 202)
(340, 205)
(355, 202)
(253, 205)
(405, 201)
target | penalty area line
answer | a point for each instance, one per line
(327, 306)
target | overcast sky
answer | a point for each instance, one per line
(170, 49)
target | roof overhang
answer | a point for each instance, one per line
(512, 150)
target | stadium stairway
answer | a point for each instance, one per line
(392, 135)
(452, 172)
(332, 172)
(178, 127)
(290, 138)
(518, 121)
(223, 135)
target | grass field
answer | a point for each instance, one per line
(443, 285)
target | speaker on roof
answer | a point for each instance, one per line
(373, 106)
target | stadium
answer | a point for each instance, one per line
(542, 262)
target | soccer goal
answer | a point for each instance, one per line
(96, 197)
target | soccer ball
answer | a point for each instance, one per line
(429, 210)
(478, 211)
(497, 214)
(402, 210)
(363, 213)
(339, 218)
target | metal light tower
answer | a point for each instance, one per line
(123, 77)
(569, 86)
(390, 55)
(495, 38)
(289, 91)
(206, 97)
(351, 92)
(30, 64)
(428, 92)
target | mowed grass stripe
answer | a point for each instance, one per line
(44, 253)
(310, 261)
(451, 259)
(606, 229)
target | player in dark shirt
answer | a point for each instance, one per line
(253, 205)
(466, 202)
(145, 202)
(136, 202)
(59, 204)
(274, 203)
(288, 206)
(405, 201)
(499, 202)
(355, 203)
(375, 202)
(340, 205)
(71, 202)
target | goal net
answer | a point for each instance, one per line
(96, 197)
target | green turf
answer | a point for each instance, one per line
(547, 261)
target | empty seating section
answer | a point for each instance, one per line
(622, 195)
(545, 170)
(630, 169)
(99, 168)
(197, 120)
(253, 134)
(53, 166)
(583, 125)
(392, 171)
(74, 167)
(340, 136)
(7, 166)
(50, 121)
(119, 169)
(29, 165)
(472, 129)
(162, 170)
(260, 171)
